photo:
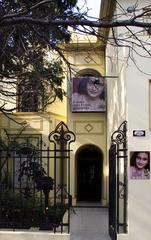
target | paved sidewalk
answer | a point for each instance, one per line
(89, 224)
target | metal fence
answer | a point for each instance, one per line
(35, 181)
(118, 187)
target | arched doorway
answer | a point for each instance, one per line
(89, 174)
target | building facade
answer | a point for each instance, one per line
(129, 99)
(126, 99)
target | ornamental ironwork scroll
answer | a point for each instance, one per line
(62, 134)
(61, 139)
(119, 136)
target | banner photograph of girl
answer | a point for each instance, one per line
(140, 165)
(88, 94)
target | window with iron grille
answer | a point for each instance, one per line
(30, 96)
(25, 150)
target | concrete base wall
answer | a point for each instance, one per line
(11, 235)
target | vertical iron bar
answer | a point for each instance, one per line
(39, 160)
(68, 184)
(62, 168)
(48, 163)
(125, 180)
(55, 179)
(0, 163)
(117, 183)
(1, 186)
(13, 171)
(20, 182)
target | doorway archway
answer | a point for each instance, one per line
(89, 173)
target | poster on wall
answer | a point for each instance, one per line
(140, 165)
(88, 94)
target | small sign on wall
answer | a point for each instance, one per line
(139, 133)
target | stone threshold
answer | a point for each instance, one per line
(23, 235)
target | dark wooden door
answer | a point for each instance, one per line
(89, 180)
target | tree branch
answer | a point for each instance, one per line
(60, 22)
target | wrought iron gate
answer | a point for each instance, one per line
(35, 181)
(118, 182)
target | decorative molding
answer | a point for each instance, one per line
(35, 123)
(86, 59)
(88, 127)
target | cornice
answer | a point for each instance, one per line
(107, 8)
(97, 46)
(106, 12)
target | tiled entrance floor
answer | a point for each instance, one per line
(89, 224)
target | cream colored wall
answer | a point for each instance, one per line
(132, 86)
(37, 123)
(116, 67)
(138, 118)
(81, 125)
(89, 128)
(59, 107)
